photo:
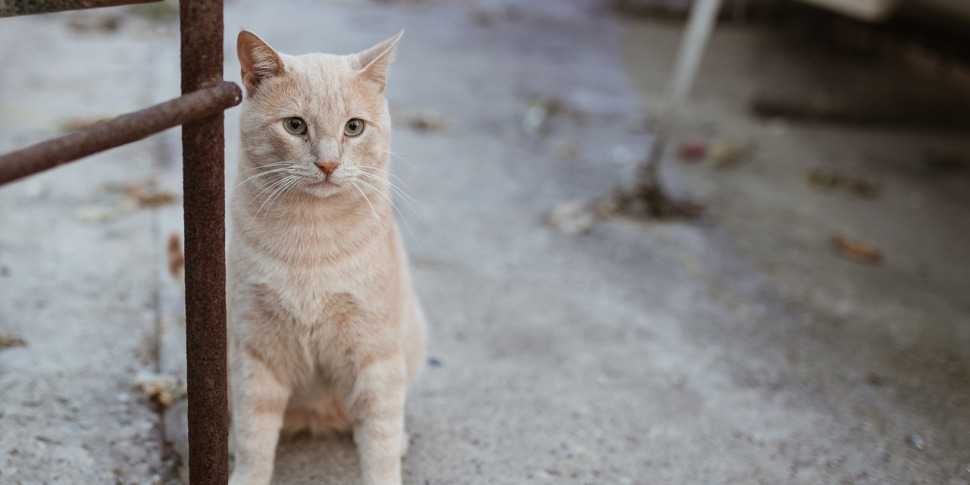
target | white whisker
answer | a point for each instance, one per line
(398, 156)
(353, 183)
(389, 201)
(390, 174)
(282, 184)
(397, 191)
(261, 174)
(268, 188)
(268, 165)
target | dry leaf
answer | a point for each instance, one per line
(831, 180)
(856, 249)
(9, 340)
(162, 388)
(572, 218)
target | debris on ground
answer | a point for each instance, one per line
(535, 121)
(916, 441)
(144, 192)
(607, 208)
(421, 120)
(161, 388)
(648, 197)
(857, 249)
(96, 213)
(154, 197)
(722, 153)
(9, 341)
(693, 150)
(540, 112)
(834, 180)
(572, 218)
(727, 153)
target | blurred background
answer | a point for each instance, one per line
(807, 320)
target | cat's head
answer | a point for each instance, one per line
(319, 121)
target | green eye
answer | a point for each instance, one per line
(354, 127)
(295, 126)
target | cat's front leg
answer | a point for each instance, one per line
(378, 415)
(257, 403)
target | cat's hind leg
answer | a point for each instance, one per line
(258, 402)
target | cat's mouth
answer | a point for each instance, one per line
(325, 183)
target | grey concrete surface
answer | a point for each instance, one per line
(76, 279)
(741, 350)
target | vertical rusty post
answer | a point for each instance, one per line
(203, 152)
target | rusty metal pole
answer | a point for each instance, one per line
(203, 152)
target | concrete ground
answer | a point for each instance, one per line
(742, 349)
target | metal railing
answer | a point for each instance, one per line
(200, 112)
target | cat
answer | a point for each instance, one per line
(325, 330)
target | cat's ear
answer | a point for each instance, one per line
(258, 61)
(374, 61)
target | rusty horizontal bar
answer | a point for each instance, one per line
(118, 131)
(13, 8)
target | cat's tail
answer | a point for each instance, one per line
(176, 260)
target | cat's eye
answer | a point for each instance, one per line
(354, 127)
(295, 126)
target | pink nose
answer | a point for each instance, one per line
(328, 167)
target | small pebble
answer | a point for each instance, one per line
(572, 218)
(916, 441)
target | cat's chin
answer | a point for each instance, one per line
(323, 189)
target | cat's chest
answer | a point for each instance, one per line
(315, 296)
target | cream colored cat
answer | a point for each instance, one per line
(324, 328)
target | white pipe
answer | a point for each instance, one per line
(703, 13)
(702, 16)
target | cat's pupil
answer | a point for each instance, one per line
(295, 124)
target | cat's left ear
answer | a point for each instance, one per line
(374, 61)
(257, 60)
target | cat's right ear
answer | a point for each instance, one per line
(257, 60)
